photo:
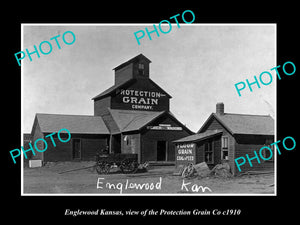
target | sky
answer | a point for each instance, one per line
(197, 64)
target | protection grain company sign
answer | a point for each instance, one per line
(134, 99)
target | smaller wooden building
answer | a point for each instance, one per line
(226, 136)
(88, 135)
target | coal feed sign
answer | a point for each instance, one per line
(185, 154)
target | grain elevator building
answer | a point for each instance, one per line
(132, 116)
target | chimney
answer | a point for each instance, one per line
(220, 108)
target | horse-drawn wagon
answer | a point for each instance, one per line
(127, 163)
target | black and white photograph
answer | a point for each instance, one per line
(108, 111)
(135, 114)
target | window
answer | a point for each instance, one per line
(208, 152)
(141, 68)
(224, 142)
(127, 139)
(224, 153)
(267, 153)
(76, 148)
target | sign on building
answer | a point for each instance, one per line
(141, 95)
(185, 154)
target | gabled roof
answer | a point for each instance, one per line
(200, 136)
(134, 59)
(125, 84)
(243, 123)
(113, 88)
(128, 120)
(74, 123)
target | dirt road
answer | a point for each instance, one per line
(158, 180)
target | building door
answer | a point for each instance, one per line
(76, 149)
(116, 144)
(161, 150)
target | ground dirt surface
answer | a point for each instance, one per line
(49, 179)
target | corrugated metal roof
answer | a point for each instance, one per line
(200, 136)
(74, 123)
